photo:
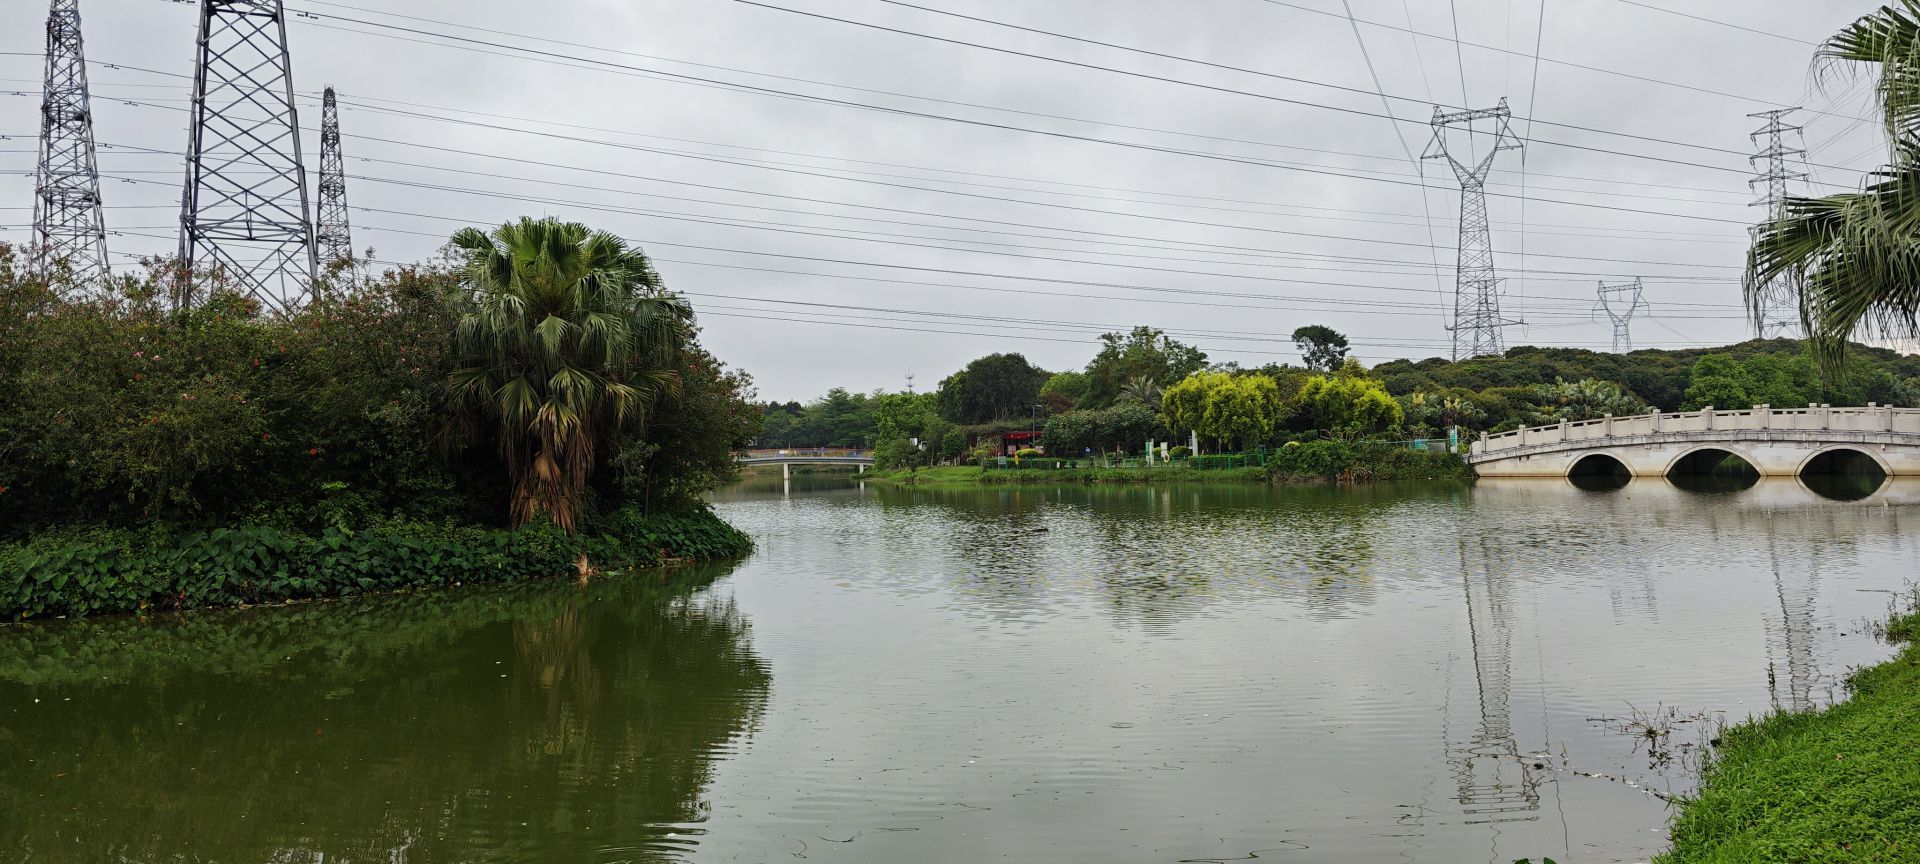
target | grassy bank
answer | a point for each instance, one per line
(1840, 785)
(81, 571)
(1315, 462)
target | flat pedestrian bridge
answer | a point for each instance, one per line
(786, 459)
(1776, 442)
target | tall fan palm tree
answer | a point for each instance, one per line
(1857, 255)
(565, 336)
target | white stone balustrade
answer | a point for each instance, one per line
(1774, 440)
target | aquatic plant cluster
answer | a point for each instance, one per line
(100, 570)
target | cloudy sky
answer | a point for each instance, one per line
(850, 201)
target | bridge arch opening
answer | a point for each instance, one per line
(1843, 474)
(1599, 472)
(1713, 469)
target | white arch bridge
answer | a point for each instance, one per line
(1775, 441)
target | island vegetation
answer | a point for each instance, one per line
(536, 404)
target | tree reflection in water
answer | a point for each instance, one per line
(533, 722)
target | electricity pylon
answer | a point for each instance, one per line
(1477, 322)
(67, 222)
(335, 237)
(1776, 304)
(244, 210)
(1621, 301)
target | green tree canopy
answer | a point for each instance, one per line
(1245, 409)
(837, 419)
(1348, 407)
(1322, 348)
(901, 420)
(1144, 353)
(1063, 391)
(689, 442)
(994, 387)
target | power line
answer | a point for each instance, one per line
(1460, 60)
(1718, 22)
(1669, 186)
(925, 115)
(699, 217)
(1393, 307)
(1555, 61)
(972, 195)
(1084, 138)
(1439, 286)
(1265, 96)
(1533, 103)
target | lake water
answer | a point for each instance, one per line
(1043, 674)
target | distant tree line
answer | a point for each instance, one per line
(1145, 385)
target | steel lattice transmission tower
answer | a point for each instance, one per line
(67, 221)
(244, 211)
(1477, 321)
(331, 229)
(1621, 301)
(1776, 305)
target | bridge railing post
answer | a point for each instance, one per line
(1706, 414)
(1606, 426)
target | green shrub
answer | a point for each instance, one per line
(1351, 462)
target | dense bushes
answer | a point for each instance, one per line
(1347, 462)
(120, 412)
(223, 453)
(97, 570)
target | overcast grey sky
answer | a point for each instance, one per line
(904, 214)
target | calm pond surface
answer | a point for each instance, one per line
(1047, 674)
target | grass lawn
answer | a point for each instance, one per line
(1840, 785)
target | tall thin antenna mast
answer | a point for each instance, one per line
(1622, 301)
(1477, 321)
(67, 222)
(332, 231)
(1776, 304)
(244, 211)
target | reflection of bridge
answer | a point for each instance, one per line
(1776, 442)
(786, 459)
